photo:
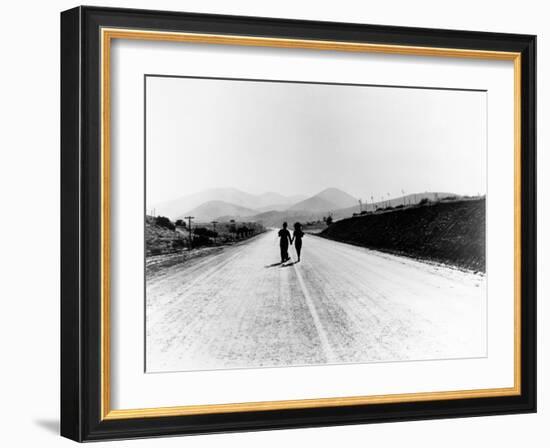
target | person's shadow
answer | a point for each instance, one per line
(274, 265)
(283, 264)
(287, 265)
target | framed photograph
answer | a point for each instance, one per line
(272, 223)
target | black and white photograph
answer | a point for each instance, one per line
(299, 223)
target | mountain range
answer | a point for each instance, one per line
(271, 209)
(212, 210)
(258, 203)
(258, 208)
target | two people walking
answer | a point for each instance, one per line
(285, 240)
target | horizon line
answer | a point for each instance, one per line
(308, 196)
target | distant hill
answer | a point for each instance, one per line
(214, 209)
(313, 208)
(409, 199)
(271, 209)
(271, 199)
(326, 200)
(313, 204)
(175, 208)
(275, 218)
(258, 203)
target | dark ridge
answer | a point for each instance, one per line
(449, 232)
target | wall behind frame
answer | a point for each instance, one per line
(29, 235)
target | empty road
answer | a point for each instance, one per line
(340, 304)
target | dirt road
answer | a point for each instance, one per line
(340, 304)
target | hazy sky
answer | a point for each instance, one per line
(301, 138)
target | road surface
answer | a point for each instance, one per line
(341, 304)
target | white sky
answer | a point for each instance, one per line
(302, 138)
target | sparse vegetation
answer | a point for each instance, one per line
(164, 237)
(202, 240)
(178, 244)
(163, 221)
(204, 232)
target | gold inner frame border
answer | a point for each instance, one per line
(107, 35)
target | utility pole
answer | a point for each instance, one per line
(189, 218)
(214, 229)
(372, 201)
(360, 206)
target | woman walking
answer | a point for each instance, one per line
(297, 238)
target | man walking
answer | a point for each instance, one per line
(284, 241)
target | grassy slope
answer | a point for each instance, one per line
(159, 239)
(447, 232)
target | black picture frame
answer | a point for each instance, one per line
(81, 224)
